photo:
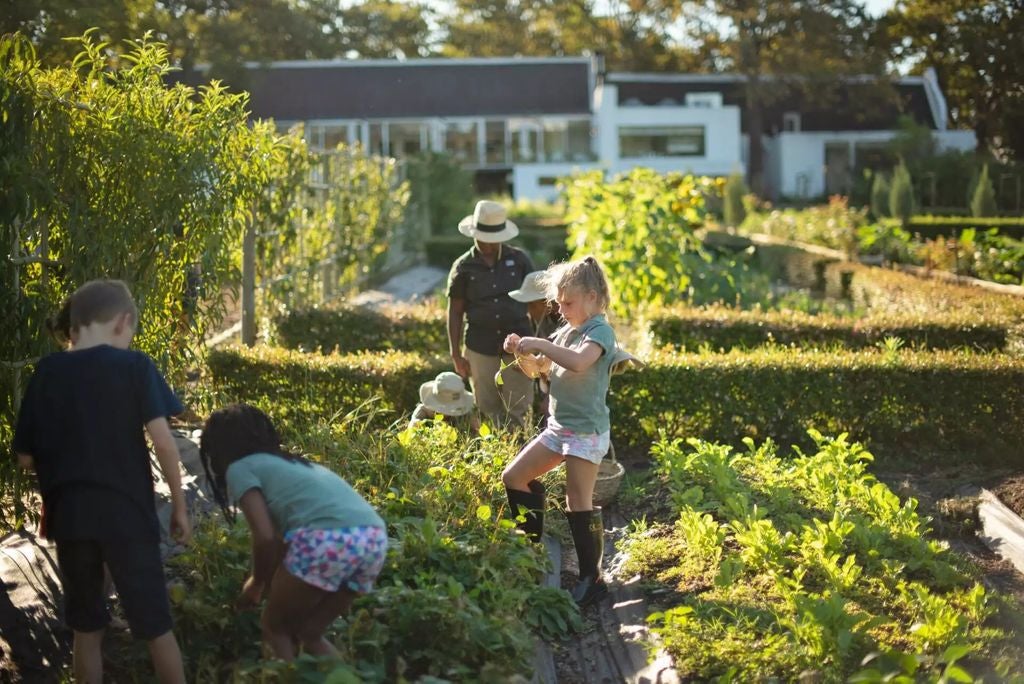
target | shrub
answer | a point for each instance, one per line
(734, 211)
(902, 402)
(293, 385)
(983, 202)
(442, 189)
(725, 328)
(901, 194)
(347, 328)
(834, 225)
(879, 196)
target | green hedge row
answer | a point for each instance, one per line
(942, 403)
(347, 328)
(884, 290)
(292, 385)
(935, 226)
(727, 328)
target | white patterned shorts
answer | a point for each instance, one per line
(349, 557)
(590, 446)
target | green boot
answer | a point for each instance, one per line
(587, 529)
(533, 501)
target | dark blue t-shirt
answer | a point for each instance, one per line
(83, 421)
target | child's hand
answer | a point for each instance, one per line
(181, 526)
(251, 594)
(529, 345)
(511, 342)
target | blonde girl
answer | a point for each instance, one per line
(578, 363)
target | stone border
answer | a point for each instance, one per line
(1002, 529)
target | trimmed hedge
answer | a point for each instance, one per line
(726, 328)
(946, 226)
(902, 404)
(292, 385)
(347, 328)
(884, 290)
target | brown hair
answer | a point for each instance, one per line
(583, 275)
(98, 301)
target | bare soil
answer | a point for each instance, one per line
(1010, 491)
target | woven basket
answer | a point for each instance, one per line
(609, 477)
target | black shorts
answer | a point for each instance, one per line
(138, 576)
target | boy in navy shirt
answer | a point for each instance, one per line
(82, 428)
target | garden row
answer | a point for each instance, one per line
(459, 597)
(807, 564)
(927, 404)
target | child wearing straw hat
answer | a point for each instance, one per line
(545, 317)
(479, 308)
(446, 396)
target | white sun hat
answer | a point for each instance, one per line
(446, 394)
(488, 223)
(532, 288)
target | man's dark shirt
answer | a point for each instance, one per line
(491, 314)
(83, 421)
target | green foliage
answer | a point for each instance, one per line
(641, 227)
(901, 194)
(941, 404)
(983, 202)
(833, 225)
(726, 328)
(458, 598)
(347, 328)
(294, 386)
(880, 196)
(735, 190)
(443, 188)
(819, 565)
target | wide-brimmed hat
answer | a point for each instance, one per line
(622, 361)
(446, 394)
(488, 223)
(532, 289)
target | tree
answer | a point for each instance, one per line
(978, 57)
(384, 29)
(879, 196)
(784, 46)
(733, 210)
(984, 201)
(901, 194)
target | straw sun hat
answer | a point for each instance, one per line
(532, 288)
(447, 395)
(488, 223)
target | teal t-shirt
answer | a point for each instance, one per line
(300, 495)
(579, 399)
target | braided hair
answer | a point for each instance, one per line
(232, 433)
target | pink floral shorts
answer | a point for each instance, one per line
(349, 557)
(589, 446)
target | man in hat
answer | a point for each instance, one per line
(478, 287)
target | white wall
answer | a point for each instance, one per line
(801, 156)
(526, 179)
(721, 135)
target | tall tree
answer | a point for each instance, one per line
(977, 51)
(782, 46)
(386, 28)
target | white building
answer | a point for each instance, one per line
(521, 123)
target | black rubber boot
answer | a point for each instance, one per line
(587, 529)
(533, 501)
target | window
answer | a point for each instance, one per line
(406, 139)
(525, 135)
(581, 146)
(661, 141)
(791, 122)
(704, 100)
(495, 149)
(460, 140)
(376, 144)
(334, 135)
(556, 141)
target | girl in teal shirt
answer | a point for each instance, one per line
(578, 363)
(319, 541)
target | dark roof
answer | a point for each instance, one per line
(855, 105)
(419, 88)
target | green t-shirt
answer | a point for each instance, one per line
(578, 399)
(300, 495)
